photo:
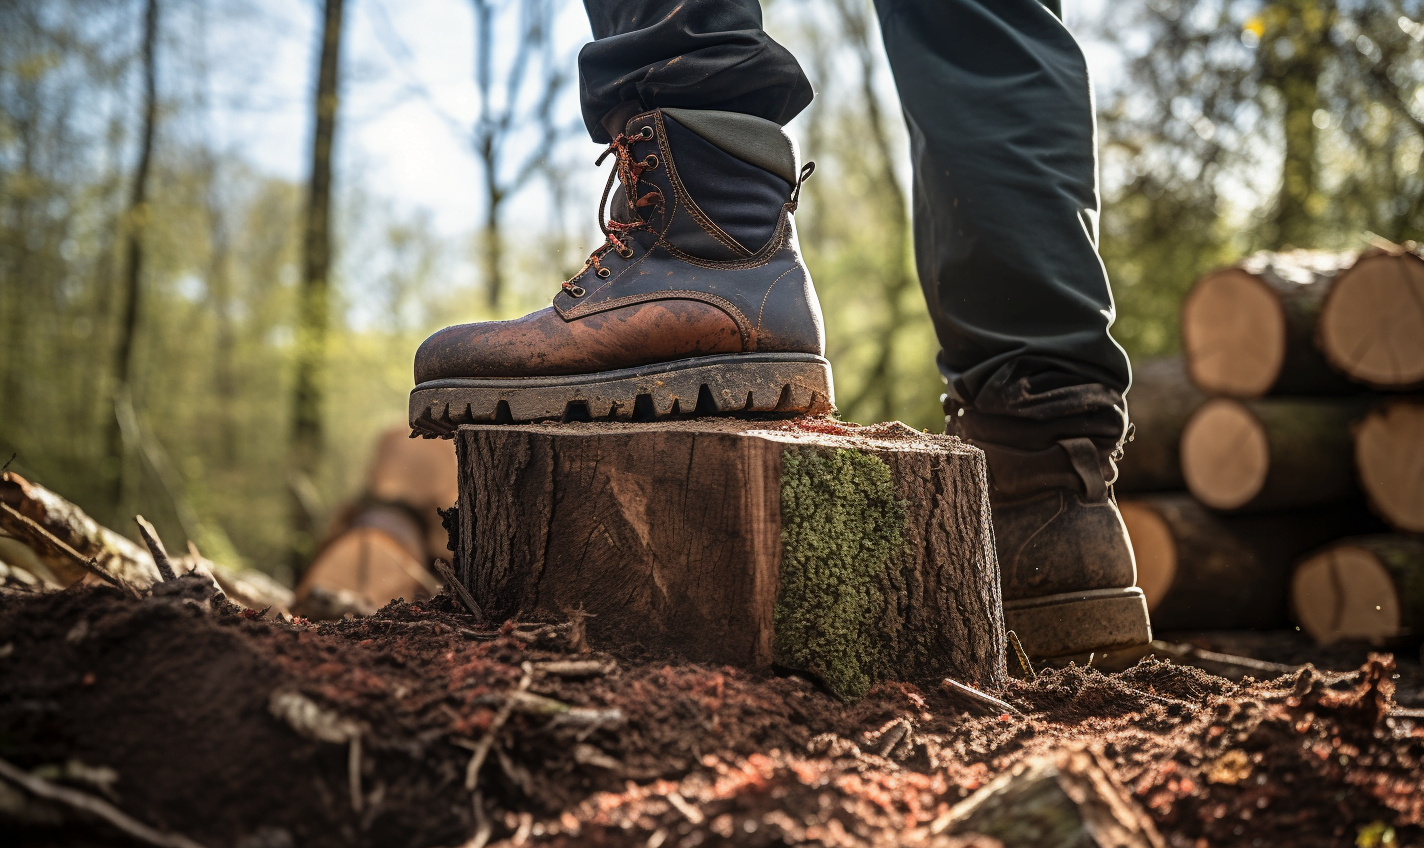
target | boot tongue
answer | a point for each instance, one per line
(618, 206)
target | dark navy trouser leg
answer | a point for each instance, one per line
(997, 101)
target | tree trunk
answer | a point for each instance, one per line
(1249, 330)
(1160, 402)
(854, 554)
(135, 220)
(1389, 453)
(1268, 454)
(314, 298)
(1368, 588)
(1372, 321)
(1201, 570)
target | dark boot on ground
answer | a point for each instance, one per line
(698, 302)
(1065, 560)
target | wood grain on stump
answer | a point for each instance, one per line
(855, 554)
(1273, 453)
(1372, 320)
(1203, 570)
(1250, 330)
(1369, 588)
(1389, 453)
(1160, 402)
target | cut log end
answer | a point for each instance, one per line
(1225, 455)
(1361, 589)
(1234, 332)
(1153, 548)
(1389, 453)
(1372, 323)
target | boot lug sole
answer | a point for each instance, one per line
(1080, 622)
(729, 384)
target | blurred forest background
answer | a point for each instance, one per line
(186, 334)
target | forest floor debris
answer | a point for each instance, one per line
(420, 727)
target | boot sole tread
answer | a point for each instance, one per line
(748, 384)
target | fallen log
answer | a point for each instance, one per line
(59, 543)
(1372, 320)
(68, 525)
(1162, 398)
(1250, 330)
(852, 553)
(1203, 570)
(1369, 588)
(1389, 454)
(1274, 453)
(1057, 800)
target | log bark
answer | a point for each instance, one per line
(1203, 570)
(1389, 454)
(854, 554)
(1162, 398)
(1065, 799)
(1250, 330)
(1372, 320)
(1274, 453)
(1368, 588)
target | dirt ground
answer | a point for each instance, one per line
(200, 718)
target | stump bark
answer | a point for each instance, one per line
(855, 554)
(1203, 570)
(1369, 588)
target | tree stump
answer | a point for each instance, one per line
(855, 554)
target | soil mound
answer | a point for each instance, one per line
(201, 718)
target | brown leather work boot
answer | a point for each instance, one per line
(698, 302)
(1065, 561)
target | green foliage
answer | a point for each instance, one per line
(842, 525)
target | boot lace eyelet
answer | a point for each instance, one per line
(576, 291)
(604, 273)
(645, 133)
(651, 162)
(626, 253)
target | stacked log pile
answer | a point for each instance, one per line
(1278, 472)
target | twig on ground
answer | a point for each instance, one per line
(483, 828)
(577, 668)
(155, 547)
(990, 700)
(41, 788)
(481, 749)
(456, 588)
(1027, 667)
(35, 533)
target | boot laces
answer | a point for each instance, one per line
(628, 171)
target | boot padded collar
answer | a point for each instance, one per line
(753, 140)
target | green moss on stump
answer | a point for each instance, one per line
(842, 525)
